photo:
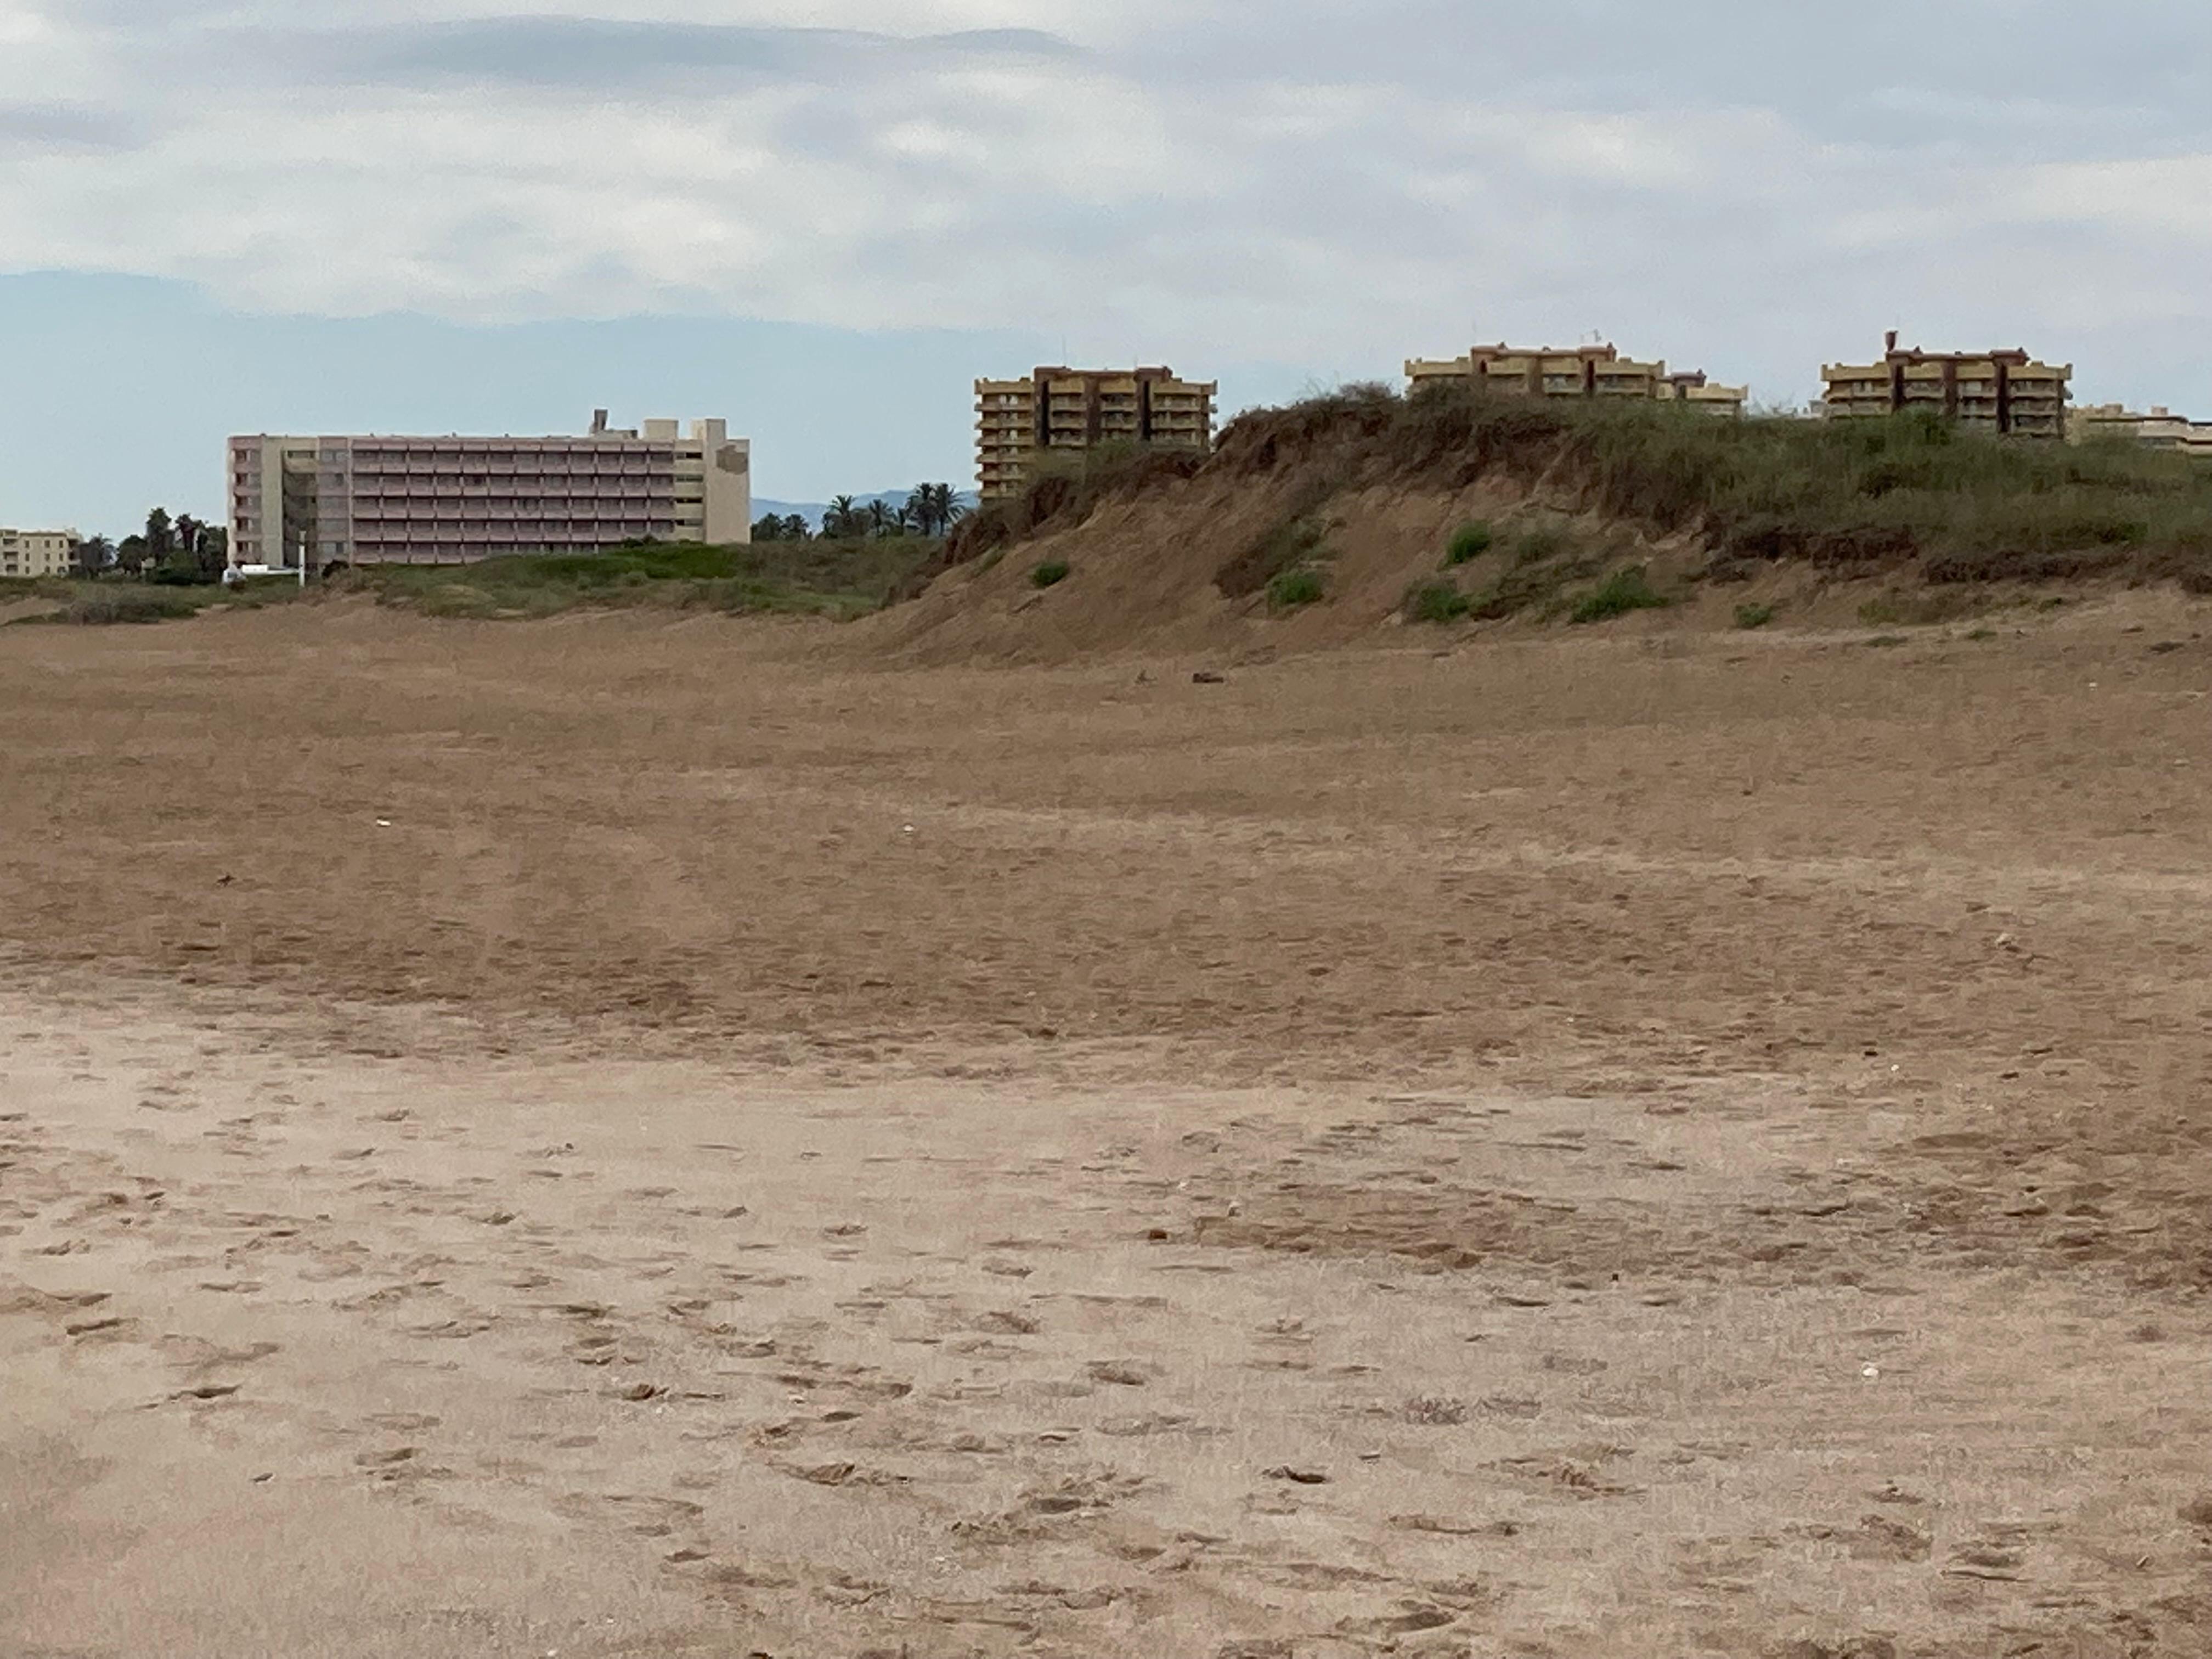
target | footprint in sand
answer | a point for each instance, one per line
(25, 1298)
(196, 1353)
(1118, 1372)
(206, 1391)
(647, 1516)
(403, 1422)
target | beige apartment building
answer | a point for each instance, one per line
(2158, 428)
(1590, 371)
(1071, 410)
(299, 501)
(2005, 393)
(28, 553)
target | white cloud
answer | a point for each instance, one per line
(2161, 196)
(1300, 182)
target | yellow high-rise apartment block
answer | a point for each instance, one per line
(1590, 371)
(1072, 410)
(1997, 392)
(36, 552)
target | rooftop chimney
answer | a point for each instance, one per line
(598, 423)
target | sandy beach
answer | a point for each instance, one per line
(623, 1138)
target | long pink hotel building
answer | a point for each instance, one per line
(327, 500)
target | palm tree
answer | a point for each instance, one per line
(879, 517)
(93, 555)
(935, 508)
(842, 519)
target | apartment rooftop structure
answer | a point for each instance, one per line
(2158, 428)
(1580, 372)
(2006, 392)
(312, 502)
(1072, 410)
(29, 553)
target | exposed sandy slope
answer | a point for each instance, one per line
(1142, 580)
(1142, 575)
(1701, 1141)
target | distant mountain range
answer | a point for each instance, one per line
(813, 511)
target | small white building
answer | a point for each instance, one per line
(25, 553)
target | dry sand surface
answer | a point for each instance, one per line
(610, 1138)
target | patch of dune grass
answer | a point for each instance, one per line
(1917, 610)
(823, 577)
(131, 603)
(1966, 507)
(1293, 588)
(1469, 542)
(1625, 590)
(1436, 602)
(1297, 539)
(118, 600)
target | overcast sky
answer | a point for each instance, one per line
(823, 218)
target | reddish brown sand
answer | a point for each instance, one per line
(609, 1138)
